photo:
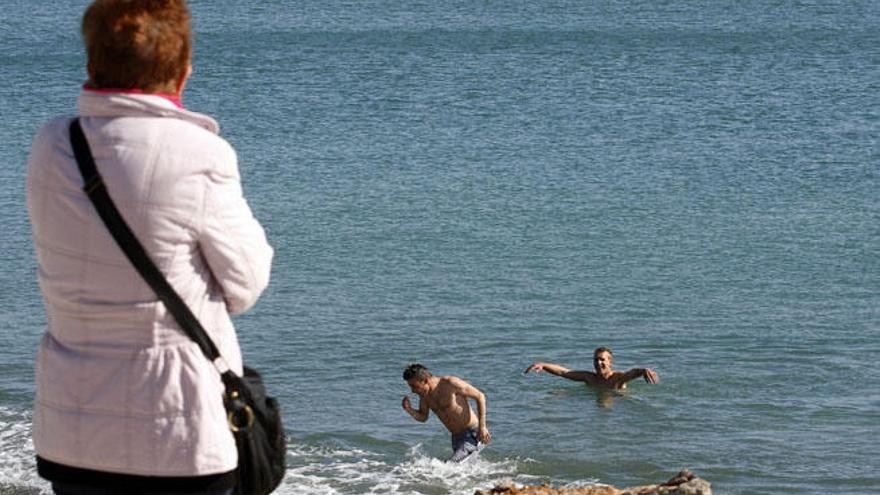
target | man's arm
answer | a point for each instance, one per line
(420, 414)
(466, 389)
(650, 375)
(555, 369)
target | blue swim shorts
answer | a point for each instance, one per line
(465, 445)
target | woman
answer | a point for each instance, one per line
(126, 402)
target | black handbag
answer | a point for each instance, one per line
(254, 417)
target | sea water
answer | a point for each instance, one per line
(480, 185)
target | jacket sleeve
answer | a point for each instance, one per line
(231, 240)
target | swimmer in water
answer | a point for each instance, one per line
(604, 377)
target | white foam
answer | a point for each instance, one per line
(327, 471)
(18, 466)
(314, 470)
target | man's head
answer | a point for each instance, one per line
(417, 377)
(138, 44)
(602, 360)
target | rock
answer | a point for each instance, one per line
(684, 483)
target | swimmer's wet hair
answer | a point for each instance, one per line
(417, 371)
(600, 350)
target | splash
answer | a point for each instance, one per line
(18, 467)
(330, 471)
(314, 468)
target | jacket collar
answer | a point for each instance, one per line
(104, 104)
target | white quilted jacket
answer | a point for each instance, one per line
(119, 387)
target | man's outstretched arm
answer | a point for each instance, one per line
(555, 369)
(420, 414)
(650, 375)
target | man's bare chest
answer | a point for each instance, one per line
(441, 403)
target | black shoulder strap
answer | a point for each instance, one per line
(125, 238)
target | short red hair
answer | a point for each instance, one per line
(137, 44)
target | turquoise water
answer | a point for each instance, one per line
(480, 185)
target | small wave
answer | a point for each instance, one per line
(18, 467)
(322, 468)
(318, 470)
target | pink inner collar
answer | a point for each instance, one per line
(172, 98)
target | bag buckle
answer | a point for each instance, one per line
(234, 414)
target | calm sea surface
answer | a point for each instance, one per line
(480, 185)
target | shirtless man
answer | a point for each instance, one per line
(448, 397)
(604, 377)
